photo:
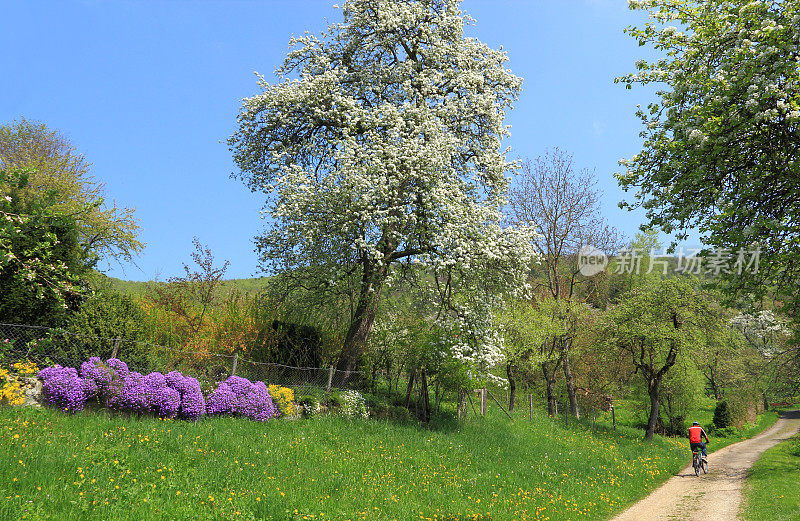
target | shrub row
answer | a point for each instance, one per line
(172, 395)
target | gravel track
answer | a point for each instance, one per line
(716, 496)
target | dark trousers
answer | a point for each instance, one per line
(701, 446)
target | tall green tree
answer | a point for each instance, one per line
(654, 325)
(380, 144)
(55, 167)
(42, 264)
(721, 152)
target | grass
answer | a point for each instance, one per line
(771, 492)
(94, 465)
(704, 413)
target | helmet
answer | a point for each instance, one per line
(695, 423)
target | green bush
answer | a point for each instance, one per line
(794, 445)
(103, 317)
(722, 415)
(727, 432)
(334, 400)
(309, 405)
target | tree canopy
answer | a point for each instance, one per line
(380, 143)
(55, 166)
(721, 153)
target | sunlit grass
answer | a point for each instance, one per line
(94, 465)
(771, 493)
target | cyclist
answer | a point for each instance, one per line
(696, 435)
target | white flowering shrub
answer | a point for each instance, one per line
(311, 409)
(353, 404)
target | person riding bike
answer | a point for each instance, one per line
(696, 435)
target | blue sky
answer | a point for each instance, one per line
(149, 92)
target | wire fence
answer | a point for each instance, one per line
(48, 346)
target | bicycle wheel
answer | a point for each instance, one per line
(704, 464)
(696, 466)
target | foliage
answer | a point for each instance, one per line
(720, 153)
(309, 405)
(283, 397)
(722, 416)
(102, 229)
(680, 392)
(192, 296)
(104, 316)
(380, 145)
(41, 260)
(655, 326)
(296, 345)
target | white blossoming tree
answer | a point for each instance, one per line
(721, 152)
(380, 143)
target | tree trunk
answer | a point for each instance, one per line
(573, 396)
(361, 326)
(411, 377)
(651, 423)
(426, 403)
(512, 386)
(550, 383)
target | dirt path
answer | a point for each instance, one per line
(717, 495)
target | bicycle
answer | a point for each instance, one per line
(699, 463)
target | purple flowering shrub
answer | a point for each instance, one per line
(63, 388)
(173, 395)
(240, 396)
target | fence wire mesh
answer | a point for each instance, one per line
(48, 346)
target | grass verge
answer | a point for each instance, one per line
(771, 491)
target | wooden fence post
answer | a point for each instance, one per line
(235, 363)
(483, 402)
(613, 418)
(116, 347)
(330, 379)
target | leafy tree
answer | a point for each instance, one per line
(720, 152)
(531, 332)
(104, 230)
(654, 326)
(563, 205)
(381, 144)
(41, 262)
